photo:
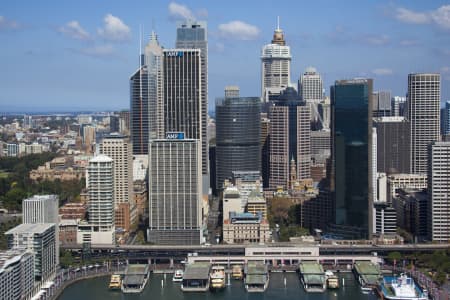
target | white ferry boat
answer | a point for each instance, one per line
(217, 277)
(332, 280)
(178, 276)
(402, 288)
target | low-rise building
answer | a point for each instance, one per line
(243, 228)
(257, 204)
(73, 211)
(68, 232)
(412, 211)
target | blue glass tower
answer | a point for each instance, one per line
(351, 181)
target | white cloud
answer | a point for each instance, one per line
(114, 29)
(6, 24)
(439, 17)
(376, 40)
(74, 30)
(408, 16)
(382, 71)
(180, 12)
(407, 43)
(96, 51)
(239, 30)
(445, 69)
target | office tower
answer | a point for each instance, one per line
(16, 274)
(265, 143)
(351, 180)
(238, 129)
(194, 35)
(385, 219)
(439, 192)
(412, 210)
(118, 148)
(325, 113)
(231, 91)
(275, 66)
(393, 144)
(153, 61)
(446, 119)
(398, 106)
(310, 89)
(381, 104)
(289, 139)
(424, 97)
(175, 188)
(41, 240)
(100, 185)
(89, 137)
(139, 108)
(320, 146)
(40, 209)
(124, 121)
(373, 174)
(114, 123)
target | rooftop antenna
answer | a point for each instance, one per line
(278, 22)
(140, 86)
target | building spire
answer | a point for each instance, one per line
(278, 35)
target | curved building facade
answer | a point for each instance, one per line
(238, 128)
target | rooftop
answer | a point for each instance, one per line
(198, 270)
(30, 228)
(311, 268)
(101, 158)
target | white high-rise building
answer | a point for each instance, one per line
(424, 104)
(100, 185)
(40, 209)
(439, 192)
(275, 66)
(310, 89)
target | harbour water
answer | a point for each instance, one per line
(162, 288)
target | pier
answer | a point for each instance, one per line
(312, 276)
(367, 273)
(196, 277)
(256, 276)
(135, 279)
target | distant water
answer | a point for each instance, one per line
(98, 289)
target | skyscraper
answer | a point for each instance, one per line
(175, 179)
(351, 144)
(446, 119)
(381, 104)
(424, 97)
(310, 89)
(118, 148)
(290, 136)
(275, 66)
(182, 92)
(439, 192)
(393, 145)
(194, 35)
(238, 129)
(398, 106)
(139, 109)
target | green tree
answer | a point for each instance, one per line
(394, 256)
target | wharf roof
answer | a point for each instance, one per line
(133, 280)
(366, 268)
(256, 279)
(137, 269)
(310, 268)
(256, 268)
(198, 270)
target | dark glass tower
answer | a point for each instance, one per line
(351, 180)
(139, 116)
(238, 127)
(193, 35)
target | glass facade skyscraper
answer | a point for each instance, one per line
(352, 152)
(238, 128)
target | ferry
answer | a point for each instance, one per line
(217, 277)
(115, 282)
(178, 276)
(401, 288)
(332, 280)
(236, 272)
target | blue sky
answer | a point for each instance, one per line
(79, 54)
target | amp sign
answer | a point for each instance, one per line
(175, 135)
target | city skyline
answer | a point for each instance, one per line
(105, 45)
